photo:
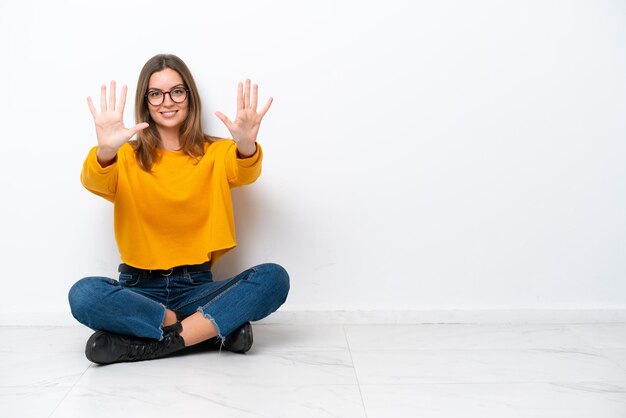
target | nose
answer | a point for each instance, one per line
(167, 98)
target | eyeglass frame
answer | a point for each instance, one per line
(169, 93)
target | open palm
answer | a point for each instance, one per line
(110, 129)
(245, 128)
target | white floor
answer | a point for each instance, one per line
(425, 371)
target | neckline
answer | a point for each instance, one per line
(171, 154)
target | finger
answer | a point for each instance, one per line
(254, 100)
(103, 99)
(122, 102)
(92, 109)
(224, 119)
(266, 107)
(112, 96)
(246, 95)
(240, 96)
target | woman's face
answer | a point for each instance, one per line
(169, 114)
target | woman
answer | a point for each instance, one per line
(173, 220)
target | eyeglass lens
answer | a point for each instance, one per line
(177, 94)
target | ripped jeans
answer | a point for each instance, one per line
(135, 305)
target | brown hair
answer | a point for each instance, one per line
(192, 137)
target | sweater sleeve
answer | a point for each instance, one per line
(241, 171)
(99, 180)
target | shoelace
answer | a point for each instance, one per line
(147, 350)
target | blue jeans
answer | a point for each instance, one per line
(136, 304)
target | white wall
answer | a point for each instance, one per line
(419, 155)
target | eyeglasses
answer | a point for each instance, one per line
(178, 94)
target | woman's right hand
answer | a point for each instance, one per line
(110, 129)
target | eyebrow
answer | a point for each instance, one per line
(173, 87)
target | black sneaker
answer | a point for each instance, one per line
(106, 347)
(240, 340)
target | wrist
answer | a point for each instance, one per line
(246, 150)
(106, 156)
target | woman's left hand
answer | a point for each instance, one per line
(247, 122)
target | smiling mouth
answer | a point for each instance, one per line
(169, 114)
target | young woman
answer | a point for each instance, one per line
(173, 220)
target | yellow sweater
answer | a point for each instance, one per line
(179, 214)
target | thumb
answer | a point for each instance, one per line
(224, 119)
(139, 127)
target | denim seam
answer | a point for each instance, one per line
(207, 315)
(203, 295)
(222, 294)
